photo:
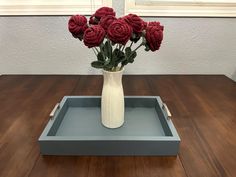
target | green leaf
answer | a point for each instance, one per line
(121, 56)
(132, 56)
(147, 48)
(107, 61)
(114, 56)
(97, 64)
(102, 47)
(117, 57)
(128, 51)
(108, 49)
(100, 57)
(125, 62)
(135, 38)
(131, 60)
(108, 67)
(115, 52)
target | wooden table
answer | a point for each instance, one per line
(203, 108)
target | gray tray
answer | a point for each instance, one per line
(75, 129)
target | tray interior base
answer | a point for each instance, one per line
(86, 121)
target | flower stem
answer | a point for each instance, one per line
(133, 52)
(123, 47)
(94, 51)
(120, 46)
(102, 52)
(138, 47)
(131, 44)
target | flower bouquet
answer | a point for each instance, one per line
(111, 40)
(108, 36)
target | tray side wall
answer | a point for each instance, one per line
(110, 148)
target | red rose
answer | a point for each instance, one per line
(77, 25)
(93, 20)
(119, 32)
(145, 24)
(104, 11)
(106, 21)
(156, 24)
(94, 36)
(154, 36)
(135, 22)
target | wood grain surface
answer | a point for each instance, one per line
(203, 110)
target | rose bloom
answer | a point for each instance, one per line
(145, 24)
(94, 36)
(154, 36)
(77, 25)
(156, 24)
(104, 11)
(93, 20)
(119, 32)
(135, 22)
(106, 21)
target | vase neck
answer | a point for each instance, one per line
(112, 77)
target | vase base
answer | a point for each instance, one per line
(112, 127)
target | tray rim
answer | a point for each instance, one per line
(45, 137)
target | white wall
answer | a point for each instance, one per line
(43, 45)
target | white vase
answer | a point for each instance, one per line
(112, 104)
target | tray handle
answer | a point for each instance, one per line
(166, 109)
(56, 107)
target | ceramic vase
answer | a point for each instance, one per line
(112, 102)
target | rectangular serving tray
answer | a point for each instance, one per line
(75, 129)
